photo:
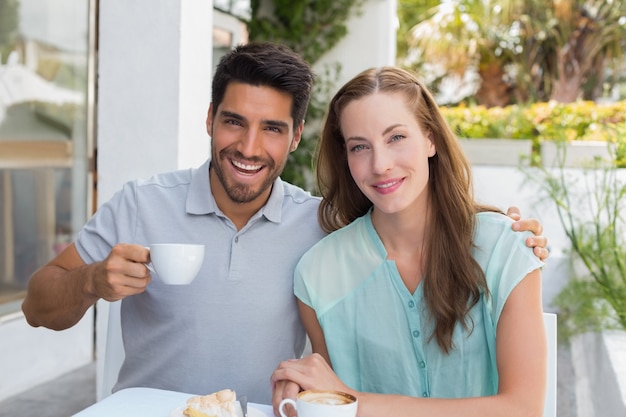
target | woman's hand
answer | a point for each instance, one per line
(310, 372)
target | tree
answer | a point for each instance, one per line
(524, 50)
(460, 36)
(571, 43)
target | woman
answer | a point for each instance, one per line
(422, 301)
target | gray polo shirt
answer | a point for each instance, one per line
(238, 319)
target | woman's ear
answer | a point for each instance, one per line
(432, 150)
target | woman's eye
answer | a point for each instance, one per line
(357, 148)
(396, 138)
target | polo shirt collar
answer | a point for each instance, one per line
(200, 199)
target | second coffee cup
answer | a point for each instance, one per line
(316, 403)
(176, 263)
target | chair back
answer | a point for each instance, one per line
(110, 362)
(549, 320)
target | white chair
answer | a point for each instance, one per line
(549, 409)
(110, 361)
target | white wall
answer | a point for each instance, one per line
(154, 81)
(370, 42)
(506, 186)
(31, 356)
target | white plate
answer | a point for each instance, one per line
(252, 412)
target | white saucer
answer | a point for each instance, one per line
(252, 412)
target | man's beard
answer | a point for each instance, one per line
(238, 192)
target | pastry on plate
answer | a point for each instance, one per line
(218, 404)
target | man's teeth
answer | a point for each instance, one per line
(247, 167)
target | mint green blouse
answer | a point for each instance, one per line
(377, 332)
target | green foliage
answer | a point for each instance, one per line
(311, 28)
(409, 13)
(590, 204)
(523, 50)
(512, 122)
(8, 26)
(299, 168)
(582, 308)
(581, 121)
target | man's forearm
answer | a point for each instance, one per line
(57, 298)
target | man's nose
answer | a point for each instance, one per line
(251, 142)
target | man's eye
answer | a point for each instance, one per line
(233, 122)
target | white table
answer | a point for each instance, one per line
(147, 402)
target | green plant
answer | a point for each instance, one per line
(545, 121)
(9, 27)
(590, 204)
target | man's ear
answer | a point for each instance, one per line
(297, 136)
(209, 120)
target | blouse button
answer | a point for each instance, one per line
(422, 364)
(411, 304)
(424, 394)
(416, 333)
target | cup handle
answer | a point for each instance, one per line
(149, 264)
(282, 405)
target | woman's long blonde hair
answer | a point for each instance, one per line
(453, 280)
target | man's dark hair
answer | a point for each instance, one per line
(266, 64)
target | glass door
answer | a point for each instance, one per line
(45, 135)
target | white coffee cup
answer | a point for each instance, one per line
(176, 263)
(316, 403)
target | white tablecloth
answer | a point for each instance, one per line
(148, 402)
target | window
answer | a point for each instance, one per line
(228, 30)
(238, 8)
(44, 135)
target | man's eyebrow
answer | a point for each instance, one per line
(275, 123)
(226, 113)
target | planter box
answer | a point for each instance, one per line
(599, 361)
(578, 154)
(488, 151)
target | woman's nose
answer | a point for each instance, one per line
(382, 161)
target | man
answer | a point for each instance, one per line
(238, 319)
